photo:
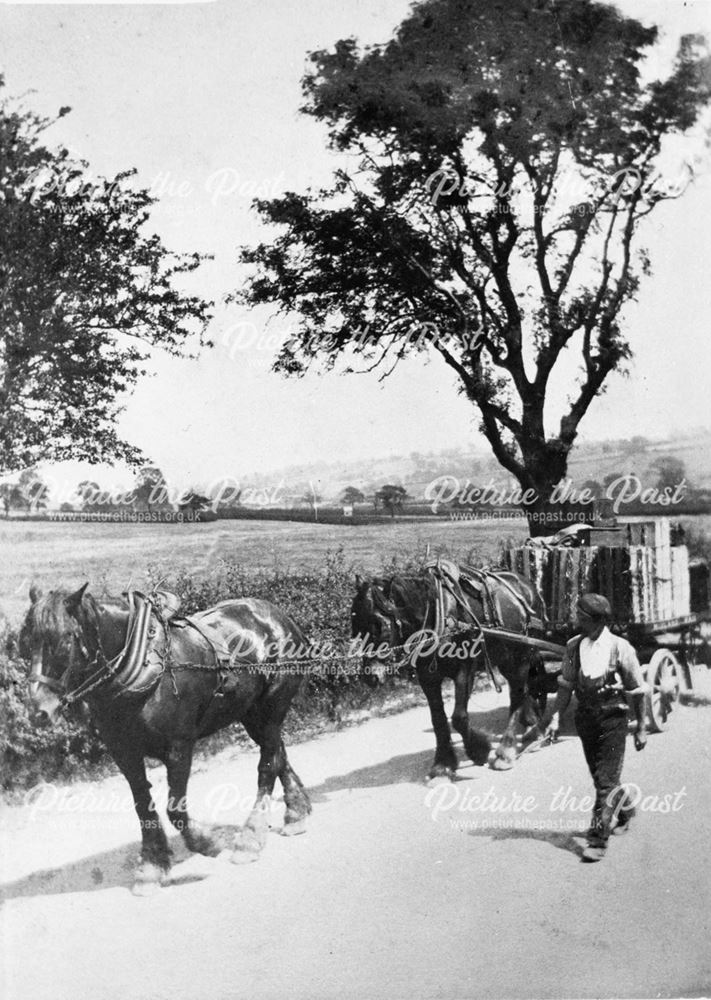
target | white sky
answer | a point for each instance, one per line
(200, 95)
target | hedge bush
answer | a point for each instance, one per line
(318, 600)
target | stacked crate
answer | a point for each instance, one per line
(651, 553)
(681, 581)
(646, 580)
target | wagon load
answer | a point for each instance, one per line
(644, 576)
(659, 598)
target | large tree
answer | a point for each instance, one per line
(85, 293)
(499, 158)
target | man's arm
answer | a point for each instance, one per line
(564, 694)
(562, 700)
(635, 687)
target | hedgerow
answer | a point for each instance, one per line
(318, 600)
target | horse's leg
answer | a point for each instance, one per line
(475, 742)
(296, 799)
(533, 700)
(197, 838)
(263, 723)
(506, 750)
(534, 707)
(445, 761)
(155, 853)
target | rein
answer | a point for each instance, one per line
(89, 683)
(103, 672)
(476, 627)
(388, 608)
(103, 669)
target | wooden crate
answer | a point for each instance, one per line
(643, 582)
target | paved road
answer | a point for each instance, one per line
(474, 889)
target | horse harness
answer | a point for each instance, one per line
(145, 656)
(446, 580)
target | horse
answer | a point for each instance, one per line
(437, 622)
(71, 640)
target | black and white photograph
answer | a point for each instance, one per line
(355, 499)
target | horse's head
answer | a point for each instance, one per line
(375, 623)
(52, 640)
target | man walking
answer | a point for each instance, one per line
(601, 668)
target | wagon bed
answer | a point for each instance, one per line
(656, 603)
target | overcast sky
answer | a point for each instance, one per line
(203, 100)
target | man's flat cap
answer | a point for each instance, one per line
(595, 605)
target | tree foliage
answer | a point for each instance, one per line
(85, 293)
(28, 493)
(670, 472)
(352, 495)
(500, 158)
(151, 490)
(391, 497)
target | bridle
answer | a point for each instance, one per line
(388, 610)
(441, 629)
(99, 661)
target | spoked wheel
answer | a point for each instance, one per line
(664, 680)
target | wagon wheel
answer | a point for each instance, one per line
(663, 675)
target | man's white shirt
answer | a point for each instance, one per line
(595, 654)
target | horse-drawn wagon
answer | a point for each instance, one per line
(449, 621)
(659, 597)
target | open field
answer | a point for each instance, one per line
(113, 556)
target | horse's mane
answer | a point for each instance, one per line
(403, 590)
(49, 612)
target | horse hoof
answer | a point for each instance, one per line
(293, 829)
(244, 857)
(501, 764)
(145, 889)
(441, 776)
(149, 879)
(592, 854)
(203, 845)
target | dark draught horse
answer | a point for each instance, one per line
(68, 637)
(387, 612)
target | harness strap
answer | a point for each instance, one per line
(226, 655)
(455, 590)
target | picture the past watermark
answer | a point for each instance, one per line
(564, 809)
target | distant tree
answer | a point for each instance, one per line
(86, 295)
(66, 507)
(151, 489)
(312, 497)
(352, 495)
(500, 160)
(87, 493)
(670, 472)
(193, 501)
(7, 494)
(31, 491)
(391, 497)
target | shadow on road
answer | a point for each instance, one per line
(107, 870)
(408, 768)
(562, 840)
